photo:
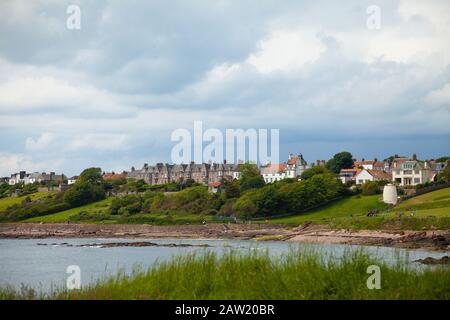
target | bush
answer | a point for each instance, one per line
(370, 188)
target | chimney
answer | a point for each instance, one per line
(224, 161)
(414, 157)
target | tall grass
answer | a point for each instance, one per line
(296, 275)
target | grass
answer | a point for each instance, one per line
(427, 211)
(97, 213)
(9, 201)
(99, 207)
(299, 274)
(430, 211)
(354, 205)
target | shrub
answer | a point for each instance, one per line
(370, 188)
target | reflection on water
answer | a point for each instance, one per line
(42, 267)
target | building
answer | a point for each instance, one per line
(411, 173)
(17, 178)
(348, 175)
(111, 176)
(28, 178)
(72, 180)
(366, 175)
(273, 172)
(203, 173)
(4, 180)
(295, 166)
(369, 165)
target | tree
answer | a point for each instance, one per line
(88, 188)
(308, 173)
(444, 175)
(442, 159)
(231, 188)
(250, 177)
(341, 160)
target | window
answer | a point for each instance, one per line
(416, 180)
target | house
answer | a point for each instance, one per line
(295, 166)
(4, 180)
(273, 172)
(411, 173)
(72, 180)
(348, 175)
(111, 176)
(366, 175)
(213, 187)
(17, 178)
(369, 165)
(177, 173)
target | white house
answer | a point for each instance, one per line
(273, 172)
(295, 166)
(411, 173)
(347, 175)
(17, 178)
(366, 175)
(72, 180)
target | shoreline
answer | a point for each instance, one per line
(438, 240)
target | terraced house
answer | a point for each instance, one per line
(204, 173)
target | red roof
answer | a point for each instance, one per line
(214, 184)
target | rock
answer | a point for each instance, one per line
(430, 260)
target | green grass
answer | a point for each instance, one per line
(8, 201)
(98, 213)
(431, 200)
(300, 274)
(354, 205)
(99, 207)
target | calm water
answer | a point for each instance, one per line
(43, 267)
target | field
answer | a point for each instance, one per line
(347, 207)
(427, 211)
(99, 207)
(8, 201)
(97, 212)
(300, 275)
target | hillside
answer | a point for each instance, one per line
(9, 201)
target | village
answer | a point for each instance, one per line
(401, 171)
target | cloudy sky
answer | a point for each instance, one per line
(111, 93)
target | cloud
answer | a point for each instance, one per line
(286, 51)
(42, 142)
(440, 97)
(112, 92)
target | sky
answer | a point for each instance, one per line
(111, 93)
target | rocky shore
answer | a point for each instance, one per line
(431, 240)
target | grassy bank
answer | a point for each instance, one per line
(9, 201)
(430, 211)
(297, 275)
(346, 207)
